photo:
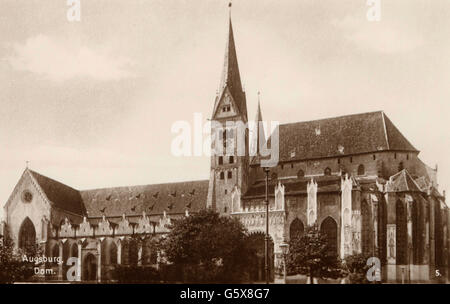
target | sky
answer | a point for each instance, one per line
(92, 103)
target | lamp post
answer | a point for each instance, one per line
(266, 251)
(284, 249)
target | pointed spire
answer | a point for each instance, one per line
(230, 74)
(231, 78)
(258, 121)
(258, 111)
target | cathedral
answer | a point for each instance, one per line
(356, 177)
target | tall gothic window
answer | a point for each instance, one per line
(27, 235)
(329, 228)
(417, 242)
(296, 229)
(401, 233)
(113, 253)
(366, 229)
(74, 250)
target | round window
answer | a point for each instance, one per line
(27, 197)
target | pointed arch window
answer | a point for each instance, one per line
(401, 233)
(74, 250)
(113, 254)
(327, 171)
(296, 229)
(27, 234)
(329, 229)
(300, 173)
(366, 228)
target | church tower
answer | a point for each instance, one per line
(229, 152)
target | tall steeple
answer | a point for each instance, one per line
(229, 168)
(231, 79)
(259, 129)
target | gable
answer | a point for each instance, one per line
(226, 107)
(26, 201)
(402, 182)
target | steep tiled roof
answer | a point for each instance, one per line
(339, 136)
(153, 199)
(62, 196)
(402, 182)
(132, 201)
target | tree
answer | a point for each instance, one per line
(207, 247)
(357, 268)
(12, 266)
(310, 255)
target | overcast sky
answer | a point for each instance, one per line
(91, 103)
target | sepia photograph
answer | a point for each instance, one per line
(262, 142)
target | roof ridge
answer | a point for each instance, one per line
(116, 187)
(406, 179)
(412, 179)
(329, 118)
(145, 185)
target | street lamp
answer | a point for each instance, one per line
(284, 250)
(266, 251)
(403, 273)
